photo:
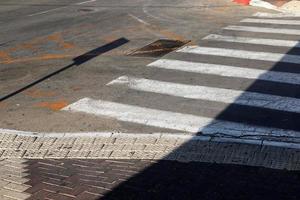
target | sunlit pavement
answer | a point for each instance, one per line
(89, 111)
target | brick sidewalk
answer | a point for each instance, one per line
(144, 166)
(70, 179)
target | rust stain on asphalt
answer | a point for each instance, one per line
(38, 58)
(5, 56)
(3, 105)
(55, 106)
(58, 38)
(35, 93)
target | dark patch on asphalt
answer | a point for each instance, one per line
(84, 10)
(159, 48)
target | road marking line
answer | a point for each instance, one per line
(272, 21)
(227, 71)
(171, 120)
(85, 2)
(211, 94)
(263, 30)
(250, 40)
(47, 11)
(252, 55)
(275, 15)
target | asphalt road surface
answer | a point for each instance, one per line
(41, 38)
(77, 76)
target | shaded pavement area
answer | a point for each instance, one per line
(132, 179)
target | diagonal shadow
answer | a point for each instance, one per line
(208, 180)
(76, 62)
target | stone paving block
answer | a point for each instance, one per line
(143, 155)
(44, 140)
(56, 153)
(135, 147)
(16, 187)
(3, 183)
(7, 137)
(10, 145)
(146, 140)
(113, 147)
(166, 141)
(156, 148)
(104, 140)
(9, 153)
(35, 153)
(121, 154)
(78, 154)
(92, 147)
(14, 179)
(125, 140)
(6, 198)
(34, 145)
(23, 138)
(84, 140)
(65, 140)
(100, 154)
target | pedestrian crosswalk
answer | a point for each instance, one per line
(228, 71)
(249, 40)
(246, 112)
(258, 29)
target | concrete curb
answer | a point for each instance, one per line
(290, 142)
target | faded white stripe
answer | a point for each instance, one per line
(272, 21)
(253, 55)
(227, 71)
(275, 15)
(264, 30)
(171, 120)
(250, 40)
(211, 94)
(85, 2)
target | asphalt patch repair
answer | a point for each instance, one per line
(159, 48)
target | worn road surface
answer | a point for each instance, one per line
(93, 107)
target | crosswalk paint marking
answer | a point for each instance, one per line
(272, 21)
(253, 55)
(250, 40)
(171, 120)
(276, 15)
(264, 30)
(227, 71)
(211, 94)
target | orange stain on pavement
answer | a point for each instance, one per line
(57, 37)
(5, 56)
(3, 105)
(39, 58)
(39, 93)
(55, 106)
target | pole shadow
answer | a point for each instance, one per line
(76, 62)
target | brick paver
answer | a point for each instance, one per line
(143, 179)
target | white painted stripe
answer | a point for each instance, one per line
(47, 11)
(85, 2)
(264, 30)
(171, 120)
(211, 94)
(275, 15)
(250, 40)
(252, 55)
(227, 71)
(272, 21)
